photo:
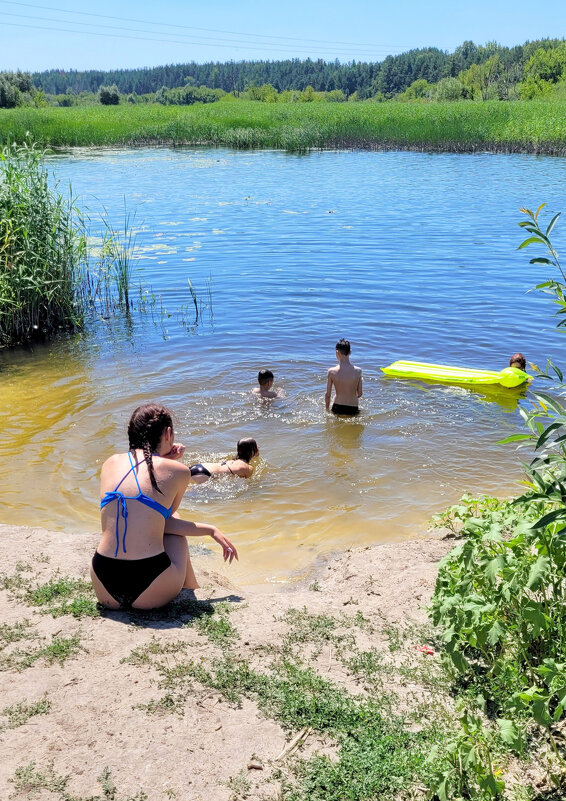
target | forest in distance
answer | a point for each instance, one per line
(472, 72)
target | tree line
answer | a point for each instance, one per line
(476, 72)
(389, 77)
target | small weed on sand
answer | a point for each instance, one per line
(31, 779)
(142, 655)
(22, 630)
(58, 650)
(64, 596)
(175, 675)
(61, 595)
(17, 582)
(239, 786)
(366, 665)
(216, 627)
(20, 713)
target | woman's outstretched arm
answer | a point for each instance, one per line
(185, 528)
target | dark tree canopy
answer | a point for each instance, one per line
(388, 77)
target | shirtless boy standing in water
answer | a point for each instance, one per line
(346, 379)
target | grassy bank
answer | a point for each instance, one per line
(331, 692)
(531, 127)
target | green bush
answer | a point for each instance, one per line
(500, 595)
(109, 95)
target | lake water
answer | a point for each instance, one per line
(407, 255)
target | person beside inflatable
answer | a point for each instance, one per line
(509, 378)
(515, 374)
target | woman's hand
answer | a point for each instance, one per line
(229, 552)
(176, 452)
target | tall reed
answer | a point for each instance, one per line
(43, 252)
(50, 279)
(519, 126)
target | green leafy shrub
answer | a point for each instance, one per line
(500, 595)
(109, 95)
(498, 598)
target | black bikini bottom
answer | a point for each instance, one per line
(340, 408)
(200, 470)
(126, 579)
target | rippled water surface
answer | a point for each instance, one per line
(407, 255)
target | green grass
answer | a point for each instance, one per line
(533, 126)
(30, 780)
(20, 713)
(64, 596)
(58, 650)
(60, 595)
(377, 755)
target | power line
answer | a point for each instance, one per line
(193, 28)
(140, 30)
(262, 48)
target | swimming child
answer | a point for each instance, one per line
(518, 360)
(246, 450)
(346, 379)
(265, 381)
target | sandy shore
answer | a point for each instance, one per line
(192, 753)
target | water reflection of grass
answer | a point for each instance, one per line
(531, 126)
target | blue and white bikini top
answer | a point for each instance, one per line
(123, 507)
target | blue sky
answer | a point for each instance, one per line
(81, 35)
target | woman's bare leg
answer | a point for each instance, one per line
(191, 582)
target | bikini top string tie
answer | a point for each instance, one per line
(121, 507)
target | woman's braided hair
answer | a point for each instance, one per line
(145, 429)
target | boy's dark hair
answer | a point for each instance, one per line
(264, 376)
(343, 346)
(518, 360)
(247, 449)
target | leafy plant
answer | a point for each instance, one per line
(464, 766)
(500, 595)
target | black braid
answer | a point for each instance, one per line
(147, 455)
(145, 429)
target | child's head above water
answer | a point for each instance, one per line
(343, 347)
(518, 360)
(247, 449)
(265, 379)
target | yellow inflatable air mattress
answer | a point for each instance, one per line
(509, 377)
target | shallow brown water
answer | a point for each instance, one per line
(388, 249)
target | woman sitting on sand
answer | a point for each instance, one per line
(246, 450)
(142, 559)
